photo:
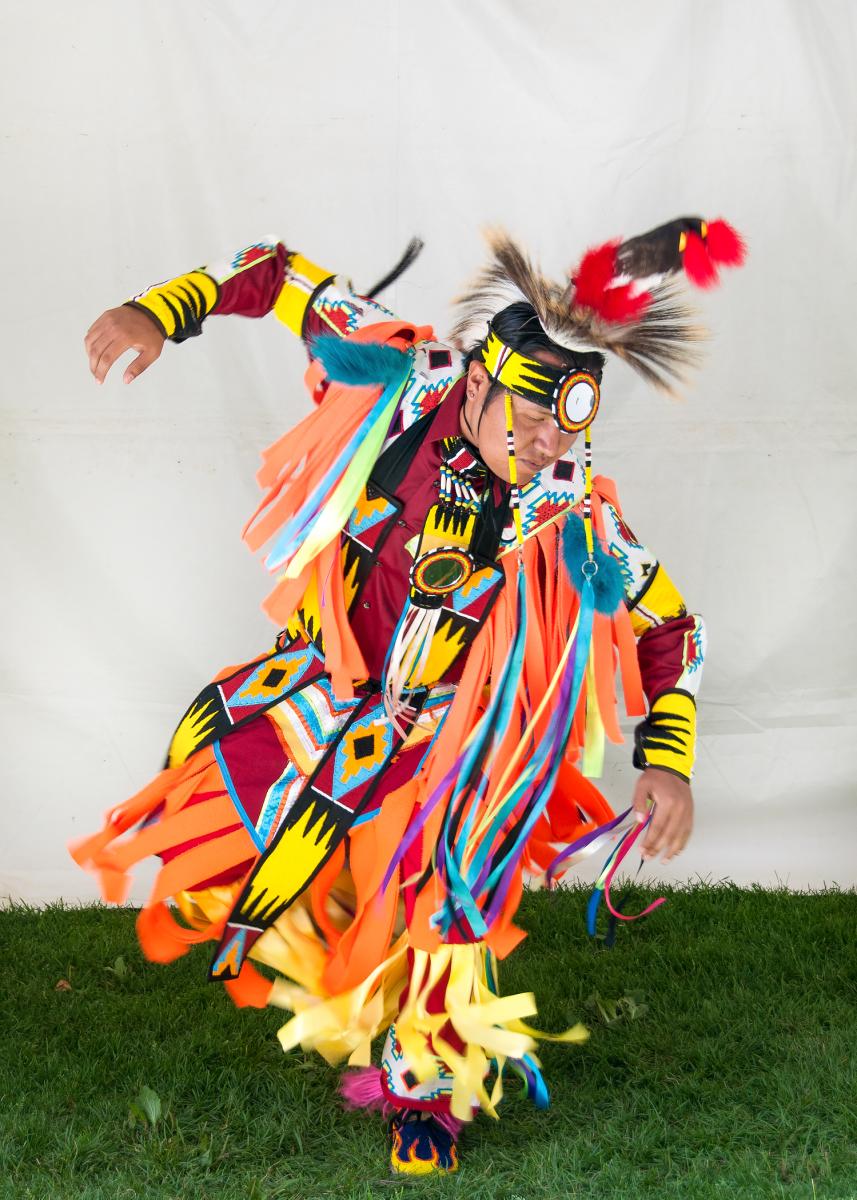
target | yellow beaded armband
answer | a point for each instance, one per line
(303, 279)
(180, 306)
(660, 601)
(667, 737)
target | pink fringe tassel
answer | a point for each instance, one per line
(362, 1089)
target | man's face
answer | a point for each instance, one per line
(539, 441)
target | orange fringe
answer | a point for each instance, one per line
(291, 468)
(171, 798)
(549, 596)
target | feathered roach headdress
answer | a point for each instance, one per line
(621, 298)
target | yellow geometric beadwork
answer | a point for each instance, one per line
(515, 371)
(194, 726)
(302, 279)
(661, 601)
(670, 737)
(183, 300)
(284, 871)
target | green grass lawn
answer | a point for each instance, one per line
(721, 1063)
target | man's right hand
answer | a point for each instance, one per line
(118, 330)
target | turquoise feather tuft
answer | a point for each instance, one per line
(361, 364)
(607, 586)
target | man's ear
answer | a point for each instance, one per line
(478, 380)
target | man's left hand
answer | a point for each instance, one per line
(672, 820)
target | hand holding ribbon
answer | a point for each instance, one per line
(672, 818)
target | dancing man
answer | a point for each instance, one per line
(354, 811)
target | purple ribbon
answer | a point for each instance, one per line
(582, 843)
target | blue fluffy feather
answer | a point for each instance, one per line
(607, 586)
(360, 364)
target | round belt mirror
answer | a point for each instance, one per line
(441, 571)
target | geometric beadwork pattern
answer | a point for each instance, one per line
(362, 751)
(344, 311)
(399, 1081)
(636, 561)
(242, 260)
(548, 495)
(310, 720)
(318, 818)
(477, 586)
(272, 678)
(367, 513)
(307, 723)
(436, 367)
(246, 693)
(693, 657)
(462, 614)
(368, 526)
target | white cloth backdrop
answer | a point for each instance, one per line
(144, 138)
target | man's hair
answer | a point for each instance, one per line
(518, 326)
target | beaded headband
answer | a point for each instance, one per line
(572, 394)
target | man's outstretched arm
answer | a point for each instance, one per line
(247, 284)
(262, 278)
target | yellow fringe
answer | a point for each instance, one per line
(491, 1026)
(344, 1026)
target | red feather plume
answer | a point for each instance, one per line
(725, 244)
(722, 246)
(697, 262)
(597, 268)
(618, 303)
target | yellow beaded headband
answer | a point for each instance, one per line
(572, 395)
